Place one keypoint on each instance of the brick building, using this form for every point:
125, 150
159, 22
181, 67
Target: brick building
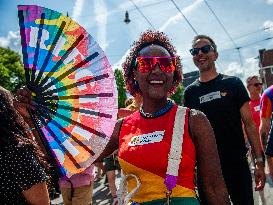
266, 66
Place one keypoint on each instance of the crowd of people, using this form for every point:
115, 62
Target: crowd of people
169, 154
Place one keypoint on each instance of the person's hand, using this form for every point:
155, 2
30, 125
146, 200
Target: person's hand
259, 176
22, 101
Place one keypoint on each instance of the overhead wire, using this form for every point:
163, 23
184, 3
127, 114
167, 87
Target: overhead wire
250, 44
143, 15
184, 17
259, 41
225, 30
253, 32
194, 30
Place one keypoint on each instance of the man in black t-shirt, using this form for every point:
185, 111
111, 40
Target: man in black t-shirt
224, 100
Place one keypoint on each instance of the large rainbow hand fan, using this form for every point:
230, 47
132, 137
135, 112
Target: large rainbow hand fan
73, 87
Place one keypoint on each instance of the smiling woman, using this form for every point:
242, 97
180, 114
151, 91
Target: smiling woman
160, 144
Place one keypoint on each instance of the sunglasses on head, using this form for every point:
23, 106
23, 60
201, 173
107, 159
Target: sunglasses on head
147, 63
257, 84
205, 49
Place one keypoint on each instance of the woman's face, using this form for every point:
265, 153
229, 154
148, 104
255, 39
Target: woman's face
154, 83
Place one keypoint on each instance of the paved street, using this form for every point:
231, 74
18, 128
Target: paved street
102, 195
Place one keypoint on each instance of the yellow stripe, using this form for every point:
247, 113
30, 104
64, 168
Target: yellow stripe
152, 185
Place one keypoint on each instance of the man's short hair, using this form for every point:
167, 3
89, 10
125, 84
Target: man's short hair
250, 78
205, 37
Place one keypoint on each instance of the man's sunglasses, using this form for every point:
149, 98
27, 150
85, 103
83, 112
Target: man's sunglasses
205, 49
147, 63
257, 84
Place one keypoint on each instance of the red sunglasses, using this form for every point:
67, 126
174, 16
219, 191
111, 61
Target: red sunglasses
147, 63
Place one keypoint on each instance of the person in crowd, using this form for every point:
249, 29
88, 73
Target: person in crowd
131, 105
23, 179
111, 165
100, 170
78, 189
225, 102
254, 87
266, 126
134, 104
164, 172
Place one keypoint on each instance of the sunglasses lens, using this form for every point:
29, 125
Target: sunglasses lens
167, 64
144, 64
257, 84
194, 51
205, 49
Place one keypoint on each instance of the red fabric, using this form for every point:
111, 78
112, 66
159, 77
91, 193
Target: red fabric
255, 110
266, 105
153, 157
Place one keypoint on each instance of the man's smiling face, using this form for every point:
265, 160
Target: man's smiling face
204, 61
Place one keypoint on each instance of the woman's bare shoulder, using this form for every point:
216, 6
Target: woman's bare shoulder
196, 115
199, 124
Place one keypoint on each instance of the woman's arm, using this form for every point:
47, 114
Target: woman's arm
37, 194
113, 143
208, 162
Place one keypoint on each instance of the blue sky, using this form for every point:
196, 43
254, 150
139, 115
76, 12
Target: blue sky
248, 22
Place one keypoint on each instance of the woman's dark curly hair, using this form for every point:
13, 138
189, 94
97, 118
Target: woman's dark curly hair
13, 129
147, 38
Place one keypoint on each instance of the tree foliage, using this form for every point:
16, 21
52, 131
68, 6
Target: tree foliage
178, 96
11, 69
121, 88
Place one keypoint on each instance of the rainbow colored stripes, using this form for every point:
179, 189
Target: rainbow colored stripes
73, 86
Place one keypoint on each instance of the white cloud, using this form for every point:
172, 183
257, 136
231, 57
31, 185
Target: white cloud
268, 24
269, 1
100, 8
12, 40
178, 16
249, 68
77, 9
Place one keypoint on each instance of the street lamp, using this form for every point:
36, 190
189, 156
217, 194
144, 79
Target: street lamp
127, 20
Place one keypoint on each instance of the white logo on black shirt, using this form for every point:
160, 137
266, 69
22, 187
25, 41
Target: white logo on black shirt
210, 96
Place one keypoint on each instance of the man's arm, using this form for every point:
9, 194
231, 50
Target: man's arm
264, 130
253, 138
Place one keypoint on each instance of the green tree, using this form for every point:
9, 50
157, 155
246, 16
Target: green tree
121, 88
178, 96
11, 69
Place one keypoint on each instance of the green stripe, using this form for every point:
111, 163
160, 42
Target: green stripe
174, 201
